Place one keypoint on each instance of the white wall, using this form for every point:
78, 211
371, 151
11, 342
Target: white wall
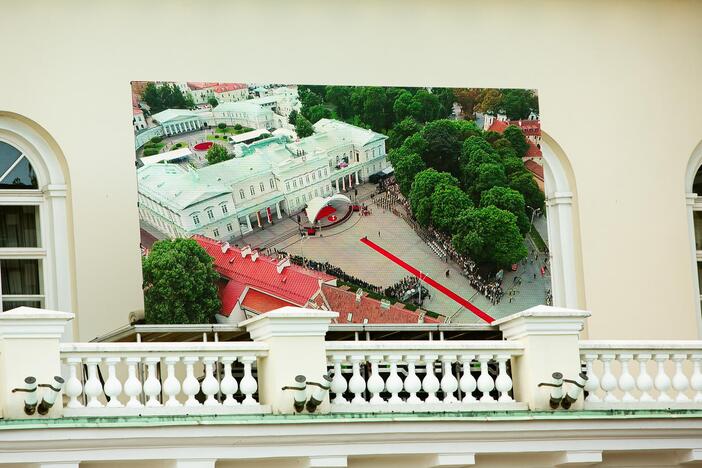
618, 85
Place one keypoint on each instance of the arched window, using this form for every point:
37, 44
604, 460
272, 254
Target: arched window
241, 194
253, 192
35, 258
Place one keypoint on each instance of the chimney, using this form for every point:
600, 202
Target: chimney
282, 265
254, 256
359, 295
225, 247
245, 251
384, 304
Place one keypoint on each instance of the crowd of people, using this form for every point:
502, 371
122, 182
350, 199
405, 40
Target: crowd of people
388, 193
328, 268
408, 284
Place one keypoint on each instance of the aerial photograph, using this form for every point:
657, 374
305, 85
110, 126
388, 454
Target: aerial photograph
385, 204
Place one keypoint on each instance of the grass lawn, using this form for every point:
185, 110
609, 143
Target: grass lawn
178, 146
157, 146
536, 237
217, 137
232, 130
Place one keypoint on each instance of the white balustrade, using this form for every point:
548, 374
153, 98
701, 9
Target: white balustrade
105, 379
642, 374
413, 376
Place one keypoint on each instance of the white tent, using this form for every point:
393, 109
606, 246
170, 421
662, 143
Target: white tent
167, 156
337, 201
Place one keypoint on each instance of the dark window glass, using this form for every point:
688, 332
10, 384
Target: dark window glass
20, 277
18, 226
9, 305
8, 156
22, 176
697, 216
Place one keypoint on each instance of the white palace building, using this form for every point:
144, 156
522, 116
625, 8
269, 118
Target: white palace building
267, 178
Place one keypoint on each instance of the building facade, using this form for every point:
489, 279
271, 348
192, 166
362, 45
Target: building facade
247, 114
271, 176
176, 121
138, 119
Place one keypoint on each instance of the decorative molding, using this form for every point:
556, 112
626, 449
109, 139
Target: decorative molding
27, 322
580, 458
542, 320
289, 321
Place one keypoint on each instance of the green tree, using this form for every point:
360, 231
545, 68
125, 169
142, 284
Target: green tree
525, 184
152, 98
518, 103
308, 98
292, 117
340, 97
422, 188
429, 105
303, 127
179, 283
467, 98
490, 236
405, 106
443, 146
374, 107
489, 175
510, 200
216, 154
213, 101
516, 138
406, 166
489, 100
315, 113
447, 202
402, 129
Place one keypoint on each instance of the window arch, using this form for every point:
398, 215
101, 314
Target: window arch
35, 260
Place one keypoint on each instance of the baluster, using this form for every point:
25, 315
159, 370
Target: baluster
394, 382
171, 386
132, 386
74, 387
190, 384
338, 383
696, 380
503, 382
375, 381
248, 384
662, 381
467, 382
485, 382
680, 383
592, 385
357, 384
93, 388
210, 386
113, 387
412, 383
152, 386
626, 380
228, 384
609, 381
644, 382
430, 384
449, 383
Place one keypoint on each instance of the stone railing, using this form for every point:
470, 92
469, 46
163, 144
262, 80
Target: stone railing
103, 379
642, 374
262, 375
408, 376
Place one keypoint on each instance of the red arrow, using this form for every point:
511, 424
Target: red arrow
428, 280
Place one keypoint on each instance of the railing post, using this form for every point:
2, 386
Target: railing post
29, 346
551, 344
295, 338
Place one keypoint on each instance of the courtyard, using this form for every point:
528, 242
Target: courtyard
340, 246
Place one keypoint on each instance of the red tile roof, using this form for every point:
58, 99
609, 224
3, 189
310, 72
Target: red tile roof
224, 87
535, 168
294, 284
136, 110
201, 85
533, 151
262, 302
344, 302
528, 127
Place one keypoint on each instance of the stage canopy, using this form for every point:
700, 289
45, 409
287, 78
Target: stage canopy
320, 207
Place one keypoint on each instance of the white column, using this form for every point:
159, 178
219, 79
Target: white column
248, 222
343, 182
563, 255
277, 209
30, 346
356, 174
296, 346
337, 185
543, 329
